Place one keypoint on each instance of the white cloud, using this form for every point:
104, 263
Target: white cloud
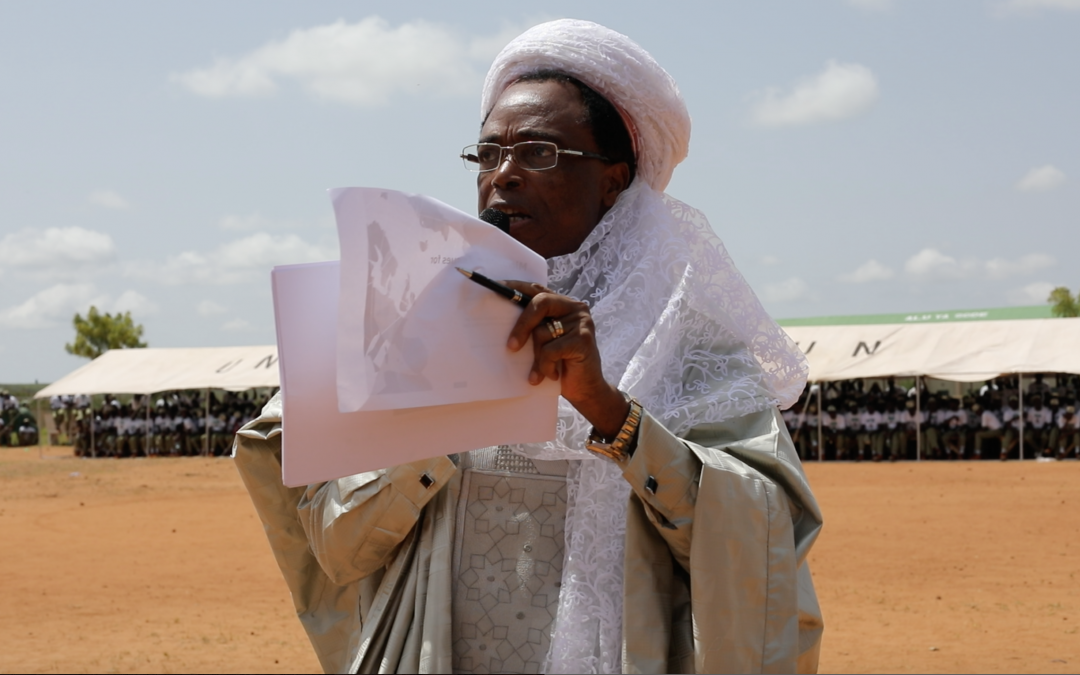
786, 291
1032, 294
871, 5
134, 302
109, 200
50, 307
57, 252
210, 308
56, 305
363, 63
237, 261
1029, 6
235, 325
770, 260
1000, 268
1041, 179
932, 264
841, 91
871, 270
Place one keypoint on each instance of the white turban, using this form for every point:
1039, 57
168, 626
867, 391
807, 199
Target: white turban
677, 325
617, 68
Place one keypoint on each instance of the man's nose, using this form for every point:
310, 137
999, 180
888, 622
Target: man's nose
508, 175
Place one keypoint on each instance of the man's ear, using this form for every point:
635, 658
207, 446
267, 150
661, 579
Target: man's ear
616, 179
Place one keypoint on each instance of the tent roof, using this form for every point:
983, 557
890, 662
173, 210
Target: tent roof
146, 371
959, 351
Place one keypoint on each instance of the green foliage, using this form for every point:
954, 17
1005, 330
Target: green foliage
98, 333
1064, 304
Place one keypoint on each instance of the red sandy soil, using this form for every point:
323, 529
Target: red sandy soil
161, 565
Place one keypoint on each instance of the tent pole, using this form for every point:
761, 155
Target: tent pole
206, 426
93, 441
1020, 412
146, 401
918, 419
40, 450
820, 437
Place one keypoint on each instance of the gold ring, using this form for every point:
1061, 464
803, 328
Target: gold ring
556, 328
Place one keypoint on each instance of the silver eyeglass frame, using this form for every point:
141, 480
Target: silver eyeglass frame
474, 167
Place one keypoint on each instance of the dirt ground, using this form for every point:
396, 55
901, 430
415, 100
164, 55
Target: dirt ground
160, 565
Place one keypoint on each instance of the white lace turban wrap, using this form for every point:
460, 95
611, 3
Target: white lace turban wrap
677, 325
617, 68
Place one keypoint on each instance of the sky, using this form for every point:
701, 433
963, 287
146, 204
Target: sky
856, 156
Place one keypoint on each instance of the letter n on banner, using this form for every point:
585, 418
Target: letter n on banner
863, 347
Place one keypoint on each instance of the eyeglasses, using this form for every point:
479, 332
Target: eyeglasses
529, 155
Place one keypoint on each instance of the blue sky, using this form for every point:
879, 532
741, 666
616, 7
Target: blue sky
856, 157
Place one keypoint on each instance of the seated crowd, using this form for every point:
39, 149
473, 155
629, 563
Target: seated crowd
18, 427
167, 425
872, 420
885, 421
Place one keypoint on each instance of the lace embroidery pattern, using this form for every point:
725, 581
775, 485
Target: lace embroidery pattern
679, 328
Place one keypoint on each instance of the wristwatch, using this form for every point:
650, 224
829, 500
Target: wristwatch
622, 448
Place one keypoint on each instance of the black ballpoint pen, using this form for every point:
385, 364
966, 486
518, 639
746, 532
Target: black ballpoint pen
505, 291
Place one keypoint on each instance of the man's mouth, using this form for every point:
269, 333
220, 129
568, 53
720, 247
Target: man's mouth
516, 216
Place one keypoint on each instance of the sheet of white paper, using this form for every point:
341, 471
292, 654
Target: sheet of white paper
319, 443
411, 330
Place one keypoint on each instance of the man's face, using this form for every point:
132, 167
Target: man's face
553, 211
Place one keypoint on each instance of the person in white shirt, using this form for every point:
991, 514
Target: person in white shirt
190, 444
105, 431
137, 433
1068, 433
1038, 420
870, 422
893, 390
1010, 417
1038, 387
990, 426
162, 430
219, 437
974, 422
832, 427
914, 423
1056, 409
121, 421
852, 426
176, 431
954, 424
894, 421
791, 418
936, 416
807, 442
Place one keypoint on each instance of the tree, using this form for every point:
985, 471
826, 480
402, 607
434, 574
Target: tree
1064, 304
98, 333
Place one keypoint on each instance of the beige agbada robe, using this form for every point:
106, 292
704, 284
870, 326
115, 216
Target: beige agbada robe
715, 568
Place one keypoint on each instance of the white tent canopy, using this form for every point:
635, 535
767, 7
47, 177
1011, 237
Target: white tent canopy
967, 351
146, 371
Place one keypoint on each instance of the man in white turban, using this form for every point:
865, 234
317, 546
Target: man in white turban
666, 528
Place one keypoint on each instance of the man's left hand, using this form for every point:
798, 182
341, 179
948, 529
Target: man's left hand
572, 359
